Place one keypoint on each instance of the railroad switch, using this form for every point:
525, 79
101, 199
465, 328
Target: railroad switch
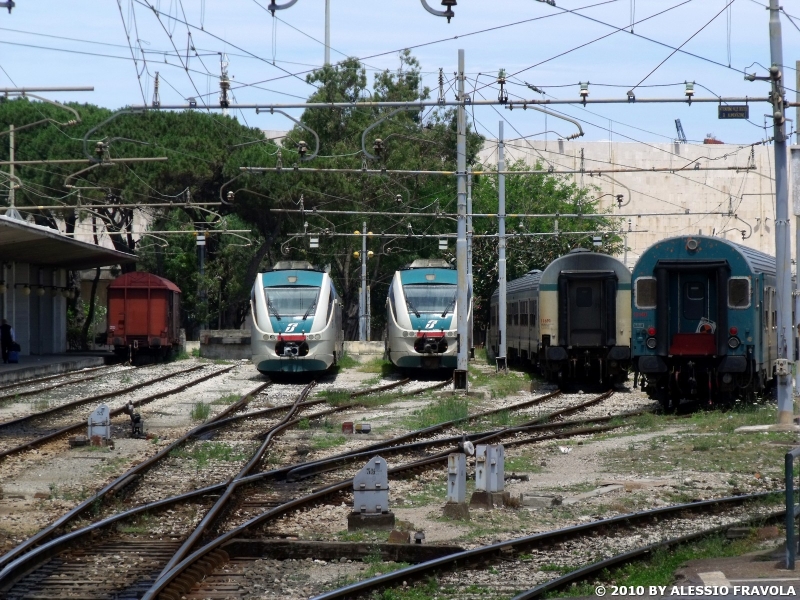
455, 507
489, 476
137, 423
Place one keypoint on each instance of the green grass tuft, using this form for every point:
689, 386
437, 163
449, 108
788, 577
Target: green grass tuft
377, 365
346, 361
200, 411
228, 399
327, 440
446, 409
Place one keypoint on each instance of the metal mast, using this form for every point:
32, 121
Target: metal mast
501, 251
795, 158
327, 32
460, 374
362, 290
224, 84
470, 282
783, 253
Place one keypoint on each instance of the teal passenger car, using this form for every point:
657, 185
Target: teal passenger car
703, 320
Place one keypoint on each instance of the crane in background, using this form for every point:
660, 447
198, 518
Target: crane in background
681, 134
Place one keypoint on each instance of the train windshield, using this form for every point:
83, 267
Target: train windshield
429, 298
291, 301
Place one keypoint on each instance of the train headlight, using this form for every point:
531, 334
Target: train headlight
734, 342
651, 343
317, 337
452, 334
273, 337
405, 334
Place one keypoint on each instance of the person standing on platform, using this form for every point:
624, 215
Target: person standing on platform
6, 339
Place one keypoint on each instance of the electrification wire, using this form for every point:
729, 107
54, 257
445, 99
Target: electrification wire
654, 41
135, 63
602, 37
207, 32
690, 38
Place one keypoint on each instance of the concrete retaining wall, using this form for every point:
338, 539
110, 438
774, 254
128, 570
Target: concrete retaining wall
226, 344
364, 351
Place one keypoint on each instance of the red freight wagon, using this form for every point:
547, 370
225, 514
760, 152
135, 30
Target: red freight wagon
143, 313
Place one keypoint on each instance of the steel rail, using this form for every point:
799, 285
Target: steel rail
219, 506
485, 553
121, 481
631, 555
391, 446
172, 584
35, 380
54, 386
25, 563
75, 426
382, 388
81, 401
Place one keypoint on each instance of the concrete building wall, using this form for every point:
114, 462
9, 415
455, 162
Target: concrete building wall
744, 200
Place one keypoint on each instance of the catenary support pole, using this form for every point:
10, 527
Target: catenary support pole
327, 32
783, 255
11, 186
795, 170
502, 305
362, 290
470, 281
463, 307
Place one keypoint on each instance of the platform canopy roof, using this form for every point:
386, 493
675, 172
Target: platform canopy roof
21, 241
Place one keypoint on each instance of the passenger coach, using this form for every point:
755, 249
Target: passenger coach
704, 320
572, 319
297, 319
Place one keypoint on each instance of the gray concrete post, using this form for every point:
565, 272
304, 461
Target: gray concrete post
783, 253
463, 303
501, 252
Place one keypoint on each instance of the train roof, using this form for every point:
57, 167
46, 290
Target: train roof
290, 277
294, 265
528, 281
429, 263
141, 280
581, 259
430, 276
757, 261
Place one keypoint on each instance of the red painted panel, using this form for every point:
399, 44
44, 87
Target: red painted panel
431, 334
292, 338
694, 344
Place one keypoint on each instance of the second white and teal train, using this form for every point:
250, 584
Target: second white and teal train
421, 316
297, 320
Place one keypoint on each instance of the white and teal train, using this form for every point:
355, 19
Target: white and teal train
421, 316
297, 320
572, 320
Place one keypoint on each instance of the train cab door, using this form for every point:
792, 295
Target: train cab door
694, 319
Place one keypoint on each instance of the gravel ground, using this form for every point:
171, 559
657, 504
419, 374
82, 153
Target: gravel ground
40, 485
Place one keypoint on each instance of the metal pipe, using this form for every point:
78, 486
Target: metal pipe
95, 206
783, 253
590, 172
470, 282
794, 154
327, 32
501, 250
25, 90
460, 376
362, 290
76, 161
511, 105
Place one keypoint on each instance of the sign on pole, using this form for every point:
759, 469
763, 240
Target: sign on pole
734, 111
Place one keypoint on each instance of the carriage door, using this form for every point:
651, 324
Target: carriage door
584, 312
696, 304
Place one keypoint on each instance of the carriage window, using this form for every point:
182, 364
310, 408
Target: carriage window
583, 297
509, 314
493, 317
695, 291
739, 292
523, 313
533, 312
646, 292
515, 306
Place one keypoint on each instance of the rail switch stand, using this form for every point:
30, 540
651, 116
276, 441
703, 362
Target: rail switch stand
100, 426
456, 507
137, 423
489, 476
371, 498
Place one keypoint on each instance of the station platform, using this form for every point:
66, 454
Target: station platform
52, 364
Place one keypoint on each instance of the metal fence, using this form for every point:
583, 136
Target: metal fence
792, 510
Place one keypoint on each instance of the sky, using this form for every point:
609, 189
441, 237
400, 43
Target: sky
536, 43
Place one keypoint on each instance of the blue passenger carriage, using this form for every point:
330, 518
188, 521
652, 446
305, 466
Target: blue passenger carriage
704, 320
297, 319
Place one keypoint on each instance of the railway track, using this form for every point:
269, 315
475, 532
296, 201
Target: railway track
68, 379
577, 543
58, 430
289, 496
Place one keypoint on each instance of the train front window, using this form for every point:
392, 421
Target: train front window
425, 298
291, 301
